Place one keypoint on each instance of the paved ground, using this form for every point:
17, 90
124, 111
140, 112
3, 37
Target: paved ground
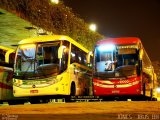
117, 110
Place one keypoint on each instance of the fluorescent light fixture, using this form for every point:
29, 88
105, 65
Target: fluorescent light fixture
55, 1
108, 47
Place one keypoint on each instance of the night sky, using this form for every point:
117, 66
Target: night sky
124, 18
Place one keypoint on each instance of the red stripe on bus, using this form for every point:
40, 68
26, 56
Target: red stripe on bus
2, 85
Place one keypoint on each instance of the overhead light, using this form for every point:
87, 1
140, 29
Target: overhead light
55, 1
93, 27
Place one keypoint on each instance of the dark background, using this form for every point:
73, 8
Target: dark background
123, 18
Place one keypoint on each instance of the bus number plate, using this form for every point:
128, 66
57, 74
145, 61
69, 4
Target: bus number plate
115, 91
33, 91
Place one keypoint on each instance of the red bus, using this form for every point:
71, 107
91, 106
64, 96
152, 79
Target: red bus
122, 69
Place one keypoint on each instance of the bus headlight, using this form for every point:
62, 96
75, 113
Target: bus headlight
17, 83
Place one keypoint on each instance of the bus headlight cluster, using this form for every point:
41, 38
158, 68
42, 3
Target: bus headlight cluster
17, 83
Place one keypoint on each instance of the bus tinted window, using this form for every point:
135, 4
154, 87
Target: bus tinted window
11, 59
2, 55
77, 55
73, 54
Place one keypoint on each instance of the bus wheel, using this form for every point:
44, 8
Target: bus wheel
72, 93
144, 89
151, 94
73, 89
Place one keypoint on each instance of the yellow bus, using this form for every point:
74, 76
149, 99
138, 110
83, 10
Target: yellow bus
6, 73
6, 55
50, 66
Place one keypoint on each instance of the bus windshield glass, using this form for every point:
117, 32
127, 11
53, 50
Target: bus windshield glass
37, 60
121, 61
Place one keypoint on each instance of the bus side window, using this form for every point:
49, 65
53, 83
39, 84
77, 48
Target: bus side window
83, 58
2, 55
73, 54
11, 59
78, 56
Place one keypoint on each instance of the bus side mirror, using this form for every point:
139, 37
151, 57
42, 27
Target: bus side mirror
60, 52
89, 57
140, 54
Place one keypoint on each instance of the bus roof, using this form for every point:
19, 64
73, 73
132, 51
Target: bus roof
49, 38
8, 51
6, 48
119, 41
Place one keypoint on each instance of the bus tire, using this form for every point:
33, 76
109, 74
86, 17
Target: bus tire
73, 89
144, 89
72, 93
151, 94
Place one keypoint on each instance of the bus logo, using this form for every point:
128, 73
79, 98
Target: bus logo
33, 86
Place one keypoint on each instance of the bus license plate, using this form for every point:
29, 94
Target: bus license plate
115, 91
33, 91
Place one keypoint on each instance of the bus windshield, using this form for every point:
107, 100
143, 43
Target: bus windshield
119, 62
37, 60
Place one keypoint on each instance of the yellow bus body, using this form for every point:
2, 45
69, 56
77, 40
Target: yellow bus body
6, 74
56, 85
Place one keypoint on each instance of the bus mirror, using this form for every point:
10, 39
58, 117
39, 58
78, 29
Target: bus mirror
89, 57
141, 54
60, 50
155, 77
